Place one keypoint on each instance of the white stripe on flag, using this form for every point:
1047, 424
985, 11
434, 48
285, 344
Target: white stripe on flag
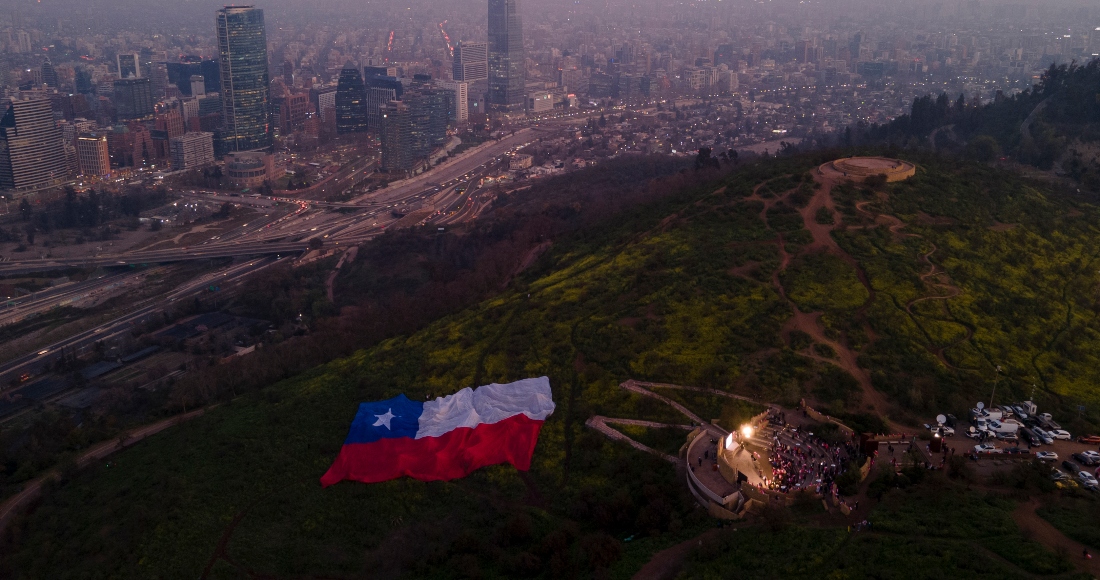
487, 404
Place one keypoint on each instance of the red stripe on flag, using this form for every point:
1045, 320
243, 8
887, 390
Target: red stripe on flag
452, 455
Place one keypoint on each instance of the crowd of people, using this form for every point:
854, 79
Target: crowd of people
800, 460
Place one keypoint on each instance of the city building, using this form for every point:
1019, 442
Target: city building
540, 102
93, 157
351, 106
396, 136
242, 53
293, 110
507, 64
198, 86
49, 75
32, 152
460, 110
381, 90
192, 150
133, 98
249, 169
128, 65
471, 62
520, 161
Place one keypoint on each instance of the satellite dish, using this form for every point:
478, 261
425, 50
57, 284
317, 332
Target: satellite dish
941, 419
981, 405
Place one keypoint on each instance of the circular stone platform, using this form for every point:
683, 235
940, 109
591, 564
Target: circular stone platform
860, 168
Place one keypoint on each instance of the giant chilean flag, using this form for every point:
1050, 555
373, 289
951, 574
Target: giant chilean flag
446, 438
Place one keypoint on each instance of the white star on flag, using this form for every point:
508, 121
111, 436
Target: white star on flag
385, 419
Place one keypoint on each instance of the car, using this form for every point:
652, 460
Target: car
1087, 479
1087, 458
1043, 435
1046, 456
987, 448
1008, 437
1060, 434
1058, 475
1090, 439
1017, 451
1066, 484
1070, 466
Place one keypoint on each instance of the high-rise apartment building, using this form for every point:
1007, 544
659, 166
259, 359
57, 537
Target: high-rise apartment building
242, 53
133, 98
380, 90
128, 65
49, 75
93, 156
198, 86
351, 101
507, 64
32, 153
192, 150
471, 62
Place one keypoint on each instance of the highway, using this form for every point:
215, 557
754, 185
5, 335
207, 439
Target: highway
33, 363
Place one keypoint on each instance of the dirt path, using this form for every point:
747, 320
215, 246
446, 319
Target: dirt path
934, 277
33, 488
810, 322
666, 564
1046, 534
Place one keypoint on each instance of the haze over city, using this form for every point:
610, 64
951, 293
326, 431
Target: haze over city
560, 289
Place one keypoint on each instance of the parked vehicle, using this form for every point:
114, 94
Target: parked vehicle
1070, 466
1086, 479
1030, 437
987, 448
1090, 439
1087, 458
1043, 435
1058, 475
1046, 456
1061, 434
1008, 437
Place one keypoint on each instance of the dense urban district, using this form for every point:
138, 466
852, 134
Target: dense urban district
815, 287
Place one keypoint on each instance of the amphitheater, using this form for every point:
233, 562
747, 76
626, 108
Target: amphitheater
860, 168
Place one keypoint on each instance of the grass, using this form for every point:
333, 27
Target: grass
648, 295
1076, 517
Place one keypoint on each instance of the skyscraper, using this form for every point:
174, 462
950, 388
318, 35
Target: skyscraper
351, 101
507, 66
397, 140
91, 151
471, 62
32, 152
242, 52
128, 65
133, 98
49, 75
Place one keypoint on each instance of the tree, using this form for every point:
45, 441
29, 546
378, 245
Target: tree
30, 231
984, 149
315, 243
25, 209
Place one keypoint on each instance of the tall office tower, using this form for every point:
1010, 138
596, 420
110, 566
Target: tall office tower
380, 90
133, 98
32, 153
198, 86
242, 51
351, 101
92, 155
49, 75
128, 65
471, 62
430, 113
460, 109
288, 73
507, 66
855, 44
396, 133
82, 79
724, 55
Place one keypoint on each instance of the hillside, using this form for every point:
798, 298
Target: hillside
878, 304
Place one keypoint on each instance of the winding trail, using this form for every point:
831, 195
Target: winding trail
1046, 534
931, 278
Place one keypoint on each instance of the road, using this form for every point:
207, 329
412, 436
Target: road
34, 362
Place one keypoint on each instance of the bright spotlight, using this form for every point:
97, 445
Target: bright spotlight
746, 431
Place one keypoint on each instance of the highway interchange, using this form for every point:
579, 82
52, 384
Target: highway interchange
446, 194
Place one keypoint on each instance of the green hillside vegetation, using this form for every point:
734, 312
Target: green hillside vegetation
677, 290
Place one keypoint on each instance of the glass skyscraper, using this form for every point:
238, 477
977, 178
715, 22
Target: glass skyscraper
242, 55
351, 101
507, 67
